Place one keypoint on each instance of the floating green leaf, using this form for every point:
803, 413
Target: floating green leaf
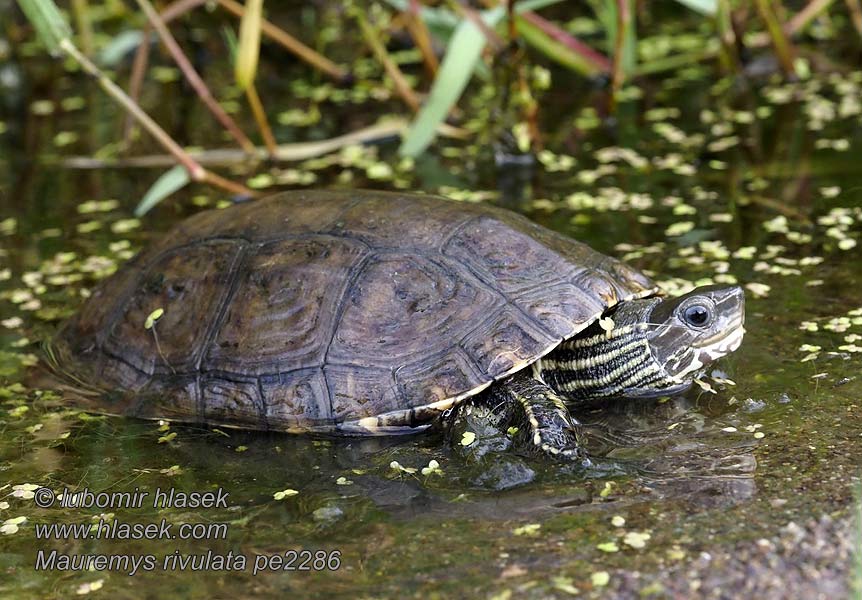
170, 181
468, 438
153, 317
285, 494
167, 438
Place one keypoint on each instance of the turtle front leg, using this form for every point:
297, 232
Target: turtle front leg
519, 411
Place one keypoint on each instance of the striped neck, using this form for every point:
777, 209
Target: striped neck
614, 361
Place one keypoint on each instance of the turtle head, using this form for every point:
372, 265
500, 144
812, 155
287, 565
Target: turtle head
690, 331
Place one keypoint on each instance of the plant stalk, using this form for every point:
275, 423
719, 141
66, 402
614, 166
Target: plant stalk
195, 170
783, 48
85, 28
421, 37
401, 86
293, 45
193, 78
260, 117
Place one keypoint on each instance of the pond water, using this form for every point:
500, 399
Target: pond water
697, 179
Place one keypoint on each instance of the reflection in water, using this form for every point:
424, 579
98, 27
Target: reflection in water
675, 448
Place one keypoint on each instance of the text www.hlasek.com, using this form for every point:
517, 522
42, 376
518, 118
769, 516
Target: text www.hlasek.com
117, 530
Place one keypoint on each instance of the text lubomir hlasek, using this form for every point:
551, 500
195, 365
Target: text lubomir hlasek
168, 498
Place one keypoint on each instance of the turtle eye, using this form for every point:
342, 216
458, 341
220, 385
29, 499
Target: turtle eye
696, 315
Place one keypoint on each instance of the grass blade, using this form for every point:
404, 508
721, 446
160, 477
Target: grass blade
625, 45
249, 44
462, 54
783, 48
704, 7
561, 47
50, 25
120, 46
170, 181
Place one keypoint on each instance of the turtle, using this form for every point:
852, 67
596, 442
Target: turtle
367, 312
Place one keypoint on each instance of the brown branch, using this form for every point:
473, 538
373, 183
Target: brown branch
293, 45
178, 9
136, 80
232, 157
783, 49
494, 40
801, 19
142, 55
401, 86
178, 154
855, 14
113, 90
421, 37
260, 118
618, 76
226, 184
193, 78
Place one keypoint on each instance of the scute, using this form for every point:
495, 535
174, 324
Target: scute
360, 312
403, 308
296, 400
357, 391
189, 286
513, 260
433, 380
292, 285
506, 340
232, 402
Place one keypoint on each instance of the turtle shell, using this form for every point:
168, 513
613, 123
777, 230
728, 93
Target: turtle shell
343, 311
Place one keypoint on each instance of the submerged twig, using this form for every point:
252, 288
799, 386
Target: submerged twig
230, 157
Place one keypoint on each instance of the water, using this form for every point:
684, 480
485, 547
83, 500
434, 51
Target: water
695, 182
